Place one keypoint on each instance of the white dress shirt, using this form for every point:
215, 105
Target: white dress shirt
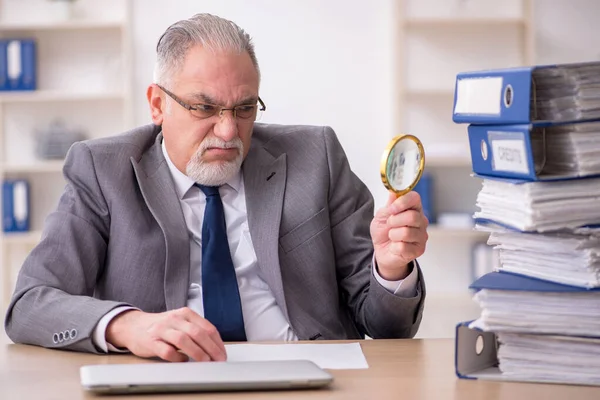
263, 318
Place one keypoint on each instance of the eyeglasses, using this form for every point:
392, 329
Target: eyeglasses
202, 111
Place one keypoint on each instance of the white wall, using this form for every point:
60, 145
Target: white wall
567, 31
322, 63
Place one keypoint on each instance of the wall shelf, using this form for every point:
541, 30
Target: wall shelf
448, 161
84, 79
21, 238
77, 25
443, 22
449, 93
42, 96
447, 231
35, 167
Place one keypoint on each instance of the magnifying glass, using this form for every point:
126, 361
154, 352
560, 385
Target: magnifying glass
402, 164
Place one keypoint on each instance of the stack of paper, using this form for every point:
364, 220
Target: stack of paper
568, 92
534, 137
567, 150
568, 258
540, 206
550, 358
559, 313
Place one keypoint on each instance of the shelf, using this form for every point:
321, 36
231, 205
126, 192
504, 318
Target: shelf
60, 26
454, 22
23, 238
449, 93
41, 96
445, 231
35, 167
449, 161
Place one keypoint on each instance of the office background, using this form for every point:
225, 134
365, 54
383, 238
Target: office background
370, 69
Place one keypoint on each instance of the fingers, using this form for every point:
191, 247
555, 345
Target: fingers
408, 218
182, 341
168, 352
204, 334
409, 201
384, 212
408, 235
205, 338
408, 251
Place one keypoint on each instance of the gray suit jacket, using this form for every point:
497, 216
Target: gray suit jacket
118, 237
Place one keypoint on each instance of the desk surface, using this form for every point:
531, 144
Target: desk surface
398, 369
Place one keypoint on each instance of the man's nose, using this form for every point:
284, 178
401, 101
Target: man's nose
226, 128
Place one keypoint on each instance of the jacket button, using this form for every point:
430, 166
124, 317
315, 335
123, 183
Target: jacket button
61, 337
73, 333
67, 334
55, 338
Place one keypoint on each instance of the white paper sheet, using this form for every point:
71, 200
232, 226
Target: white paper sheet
328, 356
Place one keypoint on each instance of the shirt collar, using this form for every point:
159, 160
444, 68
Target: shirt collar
183, 183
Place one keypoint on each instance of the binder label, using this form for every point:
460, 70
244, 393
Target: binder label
508, 152
481, 96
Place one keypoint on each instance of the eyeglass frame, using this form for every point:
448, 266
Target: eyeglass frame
190, 107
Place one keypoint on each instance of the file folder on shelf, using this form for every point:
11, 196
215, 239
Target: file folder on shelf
15, 205
18, 64
425, 189
533, 153
536, 94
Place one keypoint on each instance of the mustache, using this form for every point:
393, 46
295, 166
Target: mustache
212, 141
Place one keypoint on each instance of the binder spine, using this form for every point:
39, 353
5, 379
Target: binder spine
3, 65
21, 64
29, 64
15, 206
493, 97
502, 151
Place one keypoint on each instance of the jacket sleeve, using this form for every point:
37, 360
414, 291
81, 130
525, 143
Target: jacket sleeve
53, 305
377, 312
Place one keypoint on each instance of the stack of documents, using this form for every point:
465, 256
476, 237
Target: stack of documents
543, 358
558, 313
568, 258
534, 137
566, 92
569, 150
547, 332
540, 206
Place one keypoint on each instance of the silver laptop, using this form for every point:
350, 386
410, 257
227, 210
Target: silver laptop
203, 376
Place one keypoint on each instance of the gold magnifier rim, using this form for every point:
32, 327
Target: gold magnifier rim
386, 155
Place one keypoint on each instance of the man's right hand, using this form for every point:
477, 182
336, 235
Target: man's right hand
172, 335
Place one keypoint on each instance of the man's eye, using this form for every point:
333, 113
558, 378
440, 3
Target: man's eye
206, 108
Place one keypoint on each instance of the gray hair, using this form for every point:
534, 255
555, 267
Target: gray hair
210, 31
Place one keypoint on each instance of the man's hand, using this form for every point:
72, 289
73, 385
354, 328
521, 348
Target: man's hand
172, 335
399, 233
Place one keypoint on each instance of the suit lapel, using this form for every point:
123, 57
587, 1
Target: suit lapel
158, 190
264, 183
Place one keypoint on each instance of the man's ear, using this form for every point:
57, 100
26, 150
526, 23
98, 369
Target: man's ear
156, 101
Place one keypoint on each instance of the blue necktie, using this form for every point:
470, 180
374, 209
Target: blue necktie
220, 292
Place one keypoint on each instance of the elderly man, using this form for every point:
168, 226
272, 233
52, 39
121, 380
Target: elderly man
205, 227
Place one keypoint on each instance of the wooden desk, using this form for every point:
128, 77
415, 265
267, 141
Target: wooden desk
399, 369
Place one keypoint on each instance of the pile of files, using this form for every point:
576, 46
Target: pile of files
534, 137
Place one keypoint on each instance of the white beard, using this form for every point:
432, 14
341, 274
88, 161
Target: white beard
215, 173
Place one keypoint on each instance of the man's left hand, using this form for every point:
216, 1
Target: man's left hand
399, 234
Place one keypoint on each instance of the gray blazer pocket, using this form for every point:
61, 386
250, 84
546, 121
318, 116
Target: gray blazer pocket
305, 231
